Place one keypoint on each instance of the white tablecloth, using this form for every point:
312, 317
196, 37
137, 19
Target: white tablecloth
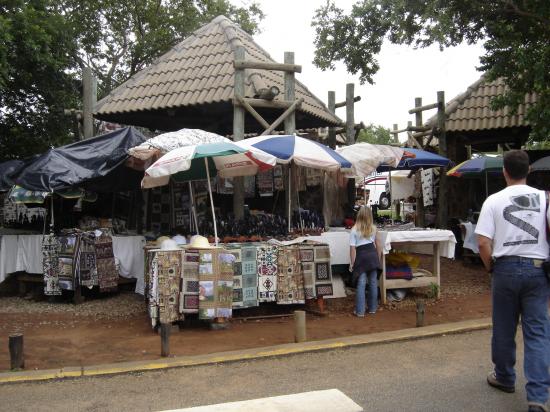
419, 241
24, 253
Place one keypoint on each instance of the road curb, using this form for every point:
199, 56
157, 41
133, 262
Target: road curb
247, 354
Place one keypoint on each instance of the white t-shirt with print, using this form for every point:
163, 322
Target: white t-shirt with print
515, 219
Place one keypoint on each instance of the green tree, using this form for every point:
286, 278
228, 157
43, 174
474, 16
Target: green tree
118, 39
516, 37
375, 135
45, 43
35, 77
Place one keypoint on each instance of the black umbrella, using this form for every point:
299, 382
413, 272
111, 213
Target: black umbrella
7, 171
540, 165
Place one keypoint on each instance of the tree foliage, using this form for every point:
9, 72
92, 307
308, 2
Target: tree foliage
375, 135
45, 43
516, 37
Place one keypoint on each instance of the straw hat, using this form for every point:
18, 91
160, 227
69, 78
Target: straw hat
169, 244
200, 242
161, 239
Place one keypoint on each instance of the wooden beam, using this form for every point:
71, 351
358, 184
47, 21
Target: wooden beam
420, 215
89, 92
274, 104
331, 130
422, 108
238, 134
282, 117
350, 120
442, 209
342, 104
288, 68
253, 112
290, 94
423, 134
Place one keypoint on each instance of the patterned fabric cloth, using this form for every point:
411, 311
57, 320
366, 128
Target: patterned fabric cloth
264, 180
267, 272
170, 264
237, 278
323, 271
278, 178
189, 297
308, 270
67, 251
151, 286
105, 263
313, 177
249, 272
290, 280
85, 268
50, 254
215, 284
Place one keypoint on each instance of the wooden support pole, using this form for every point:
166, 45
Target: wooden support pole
253, 112
469, 152
238, 133
300, 326
286, 67
283, 117
266, 104
422, 108
331, 130
342, 104
420, 221
350, 120
89, 92
165, 329
290, 94
395, 133
17, 357
442, 209
420, 310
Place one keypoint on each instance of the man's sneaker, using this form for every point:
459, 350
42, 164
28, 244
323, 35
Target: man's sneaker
492, 380
537, 407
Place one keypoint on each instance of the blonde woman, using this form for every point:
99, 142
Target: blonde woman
364, 261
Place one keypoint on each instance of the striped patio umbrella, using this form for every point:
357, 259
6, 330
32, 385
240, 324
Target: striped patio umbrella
477, 166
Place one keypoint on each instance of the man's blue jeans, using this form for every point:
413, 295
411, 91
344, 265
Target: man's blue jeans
521, 289
372, 301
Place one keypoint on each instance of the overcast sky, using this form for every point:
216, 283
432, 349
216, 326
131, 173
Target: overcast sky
404, 73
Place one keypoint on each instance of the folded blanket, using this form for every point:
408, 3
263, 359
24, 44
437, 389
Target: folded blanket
399, 272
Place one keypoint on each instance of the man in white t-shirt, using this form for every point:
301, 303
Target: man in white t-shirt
512, 239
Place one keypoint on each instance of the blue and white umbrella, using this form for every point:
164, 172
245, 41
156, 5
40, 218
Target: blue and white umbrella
301, 151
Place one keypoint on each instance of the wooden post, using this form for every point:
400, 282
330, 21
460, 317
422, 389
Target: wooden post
290, 128
299, 326
331, 130
442, 207
420, 310
238, 133
350, 118
89, 91
395, 134
420, 221
289, 80
165, 329
17, 358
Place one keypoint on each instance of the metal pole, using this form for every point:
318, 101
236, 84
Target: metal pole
193, 207
211, 201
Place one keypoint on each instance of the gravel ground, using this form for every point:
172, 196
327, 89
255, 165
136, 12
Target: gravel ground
119, 306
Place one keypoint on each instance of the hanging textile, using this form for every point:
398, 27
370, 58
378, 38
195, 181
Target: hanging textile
237, 278
84, 267
265, 183
313, 177
308, 270
290, 280
278, 178
323, 271
189, 298
215, 284
151, 283
249, 273
249, 186
50, 254
428, 194
169, 274
67, 252
267, 272
105, 263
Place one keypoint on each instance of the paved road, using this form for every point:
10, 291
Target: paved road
436, 374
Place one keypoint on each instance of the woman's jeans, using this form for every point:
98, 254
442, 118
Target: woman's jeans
372, 300
519, 288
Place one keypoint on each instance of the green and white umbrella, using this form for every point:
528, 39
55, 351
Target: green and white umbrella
199, 162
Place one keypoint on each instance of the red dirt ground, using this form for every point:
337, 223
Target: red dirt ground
69, 340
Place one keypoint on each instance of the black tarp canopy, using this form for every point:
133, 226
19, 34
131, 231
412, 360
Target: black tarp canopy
8, 170
95, 164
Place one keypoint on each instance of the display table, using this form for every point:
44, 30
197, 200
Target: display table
23, 253
435, 241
